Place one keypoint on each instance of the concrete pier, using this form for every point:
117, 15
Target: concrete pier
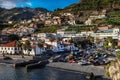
17, 57
96, 70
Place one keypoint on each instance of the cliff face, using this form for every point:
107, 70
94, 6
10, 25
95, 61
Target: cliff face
113, 70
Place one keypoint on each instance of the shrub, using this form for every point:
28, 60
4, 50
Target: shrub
118, 54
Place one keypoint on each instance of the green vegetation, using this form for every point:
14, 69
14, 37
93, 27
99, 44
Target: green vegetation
88, 5
118, 54
109, 43
13, 37
91, 5
18, 44
27, 46
83, 43
2, 26
48, 29
114, 18
40, 43
80, 28
107, 72
100, 21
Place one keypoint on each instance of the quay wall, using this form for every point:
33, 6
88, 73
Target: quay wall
96, 70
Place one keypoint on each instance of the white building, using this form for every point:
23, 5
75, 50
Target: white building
61, 46
88, 22
114, 33
87, 33
66, 33
41, 35
9, 48
35, 50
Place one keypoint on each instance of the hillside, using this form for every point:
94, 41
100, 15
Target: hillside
84, 5
83, 9
17, 14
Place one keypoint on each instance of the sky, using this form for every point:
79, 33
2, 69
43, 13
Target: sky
48, 4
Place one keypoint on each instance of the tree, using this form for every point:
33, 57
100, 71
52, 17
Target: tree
27, 46
109, 39
118, 54
109, 42
40, 45
13, 37
19, 45
105, 43
91, 39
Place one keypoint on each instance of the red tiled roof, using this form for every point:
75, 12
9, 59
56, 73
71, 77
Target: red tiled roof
47, 45
10, 44
33, 46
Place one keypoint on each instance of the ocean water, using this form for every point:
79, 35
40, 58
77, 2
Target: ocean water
8, 72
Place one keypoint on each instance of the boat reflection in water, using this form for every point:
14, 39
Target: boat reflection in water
9, 73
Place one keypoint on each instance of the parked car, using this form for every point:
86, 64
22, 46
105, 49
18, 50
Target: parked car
84, 62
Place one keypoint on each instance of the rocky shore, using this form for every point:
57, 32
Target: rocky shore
113, 70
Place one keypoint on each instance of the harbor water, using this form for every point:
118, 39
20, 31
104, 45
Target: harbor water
8, 72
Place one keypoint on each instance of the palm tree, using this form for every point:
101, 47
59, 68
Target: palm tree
105, 43
24, 47
27, 46
19, 45
40, 44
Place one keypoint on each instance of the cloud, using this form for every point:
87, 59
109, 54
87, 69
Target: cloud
8, 4
29, 3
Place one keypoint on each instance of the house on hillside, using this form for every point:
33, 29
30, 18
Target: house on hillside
56, 20
88, 22
48, 22
41, 36
103, 27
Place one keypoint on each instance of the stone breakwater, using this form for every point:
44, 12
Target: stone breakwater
113, 70
96, 70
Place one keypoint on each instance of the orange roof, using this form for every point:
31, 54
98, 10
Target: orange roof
10, 44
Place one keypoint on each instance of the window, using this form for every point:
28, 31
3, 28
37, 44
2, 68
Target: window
8, 48
15, 48
11, 48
